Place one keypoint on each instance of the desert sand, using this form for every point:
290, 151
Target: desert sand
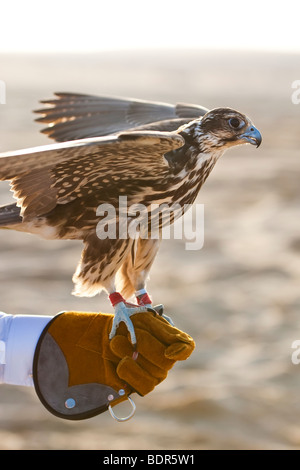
238, 296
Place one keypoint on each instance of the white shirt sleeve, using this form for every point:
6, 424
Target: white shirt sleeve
19, 335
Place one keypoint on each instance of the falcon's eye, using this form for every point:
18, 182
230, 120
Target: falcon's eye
236, 123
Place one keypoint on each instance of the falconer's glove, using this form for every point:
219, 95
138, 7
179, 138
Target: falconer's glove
78, 372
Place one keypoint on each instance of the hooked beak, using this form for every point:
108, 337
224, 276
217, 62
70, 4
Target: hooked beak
252, 135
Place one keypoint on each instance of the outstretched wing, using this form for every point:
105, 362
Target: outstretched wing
45, 176
75, 116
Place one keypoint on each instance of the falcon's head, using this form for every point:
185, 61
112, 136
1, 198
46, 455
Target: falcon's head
225, 127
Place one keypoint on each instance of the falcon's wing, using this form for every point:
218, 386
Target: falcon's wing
74, 116
43, 177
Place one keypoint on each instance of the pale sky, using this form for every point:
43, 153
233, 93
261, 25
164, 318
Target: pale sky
96, 25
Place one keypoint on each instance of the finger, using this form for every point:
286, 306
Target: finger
121, 347
161, 329
136, 377
179, 351
152, 369
152, 349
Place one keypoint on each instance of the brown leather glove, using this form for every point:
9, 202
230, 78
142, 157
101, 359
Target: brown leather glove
79, 373
159, 346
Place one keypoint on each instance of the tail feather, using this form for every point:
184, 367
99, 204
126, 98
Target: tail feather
9, 215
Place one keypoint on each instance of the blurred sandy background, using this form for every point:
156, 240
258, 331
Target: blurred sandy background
238, 296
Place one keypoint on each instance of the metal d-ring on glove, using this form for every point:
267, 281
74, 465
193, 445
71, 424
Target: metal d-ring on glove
113, 415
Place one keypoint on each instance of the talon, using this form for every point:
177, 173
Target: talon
169, 319
123, 312
151, 309
159, 309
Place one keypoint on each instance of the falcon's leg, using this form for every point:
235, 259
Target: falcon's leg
135, 271
100, 260
123, 312
143, 298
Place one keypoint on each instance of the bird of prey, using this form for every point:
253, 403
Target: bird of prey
107, 147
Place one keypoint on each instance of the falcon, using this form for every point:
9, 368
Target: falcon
107, 147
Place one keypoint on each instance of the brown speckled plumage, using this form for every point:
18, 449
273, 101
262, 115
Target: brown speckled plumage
59, 187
